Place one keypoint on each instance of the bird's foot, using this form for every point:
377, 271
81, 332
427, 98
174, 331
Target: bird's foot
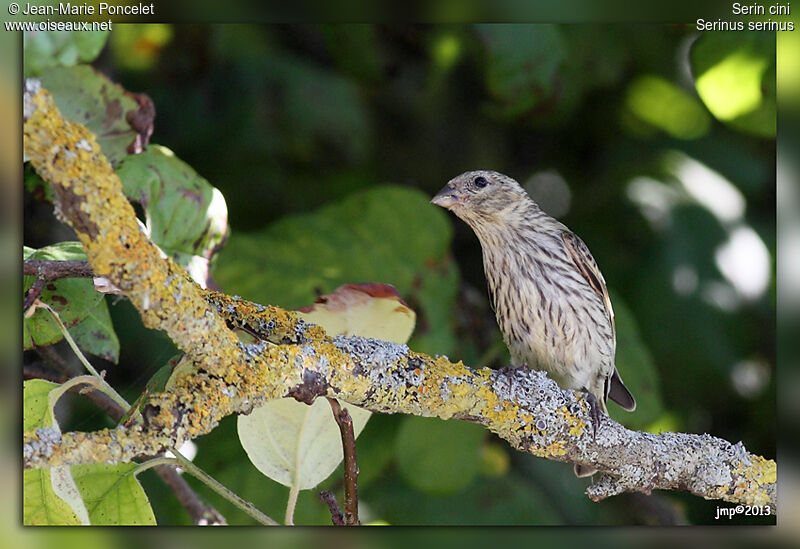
595, 411
510, 369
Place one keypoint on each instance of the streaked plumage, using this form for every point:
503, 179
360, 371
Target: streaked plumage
547, 291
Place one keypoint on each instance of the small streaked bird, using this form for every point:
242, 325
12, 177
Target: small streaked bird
549, 296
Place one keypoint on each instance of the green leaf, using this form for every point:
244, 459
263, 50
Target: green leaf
522, 64
110, 493
37, 186
735, 77
186, 216
87, 97
113, 495
365, 237
43, 50
47, 493
40, 505
72, 298
436, 456
96, 335
637, 370
294, 443
36, 412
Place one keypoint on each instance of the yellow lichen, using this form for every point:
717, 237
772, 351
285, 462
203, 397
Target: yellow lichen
556, 448
577, 425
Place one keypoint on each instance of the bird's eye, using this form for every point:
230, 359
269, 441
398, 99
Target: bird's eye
480, 182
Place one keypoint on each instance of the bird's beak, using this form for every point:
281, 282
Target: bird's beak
447, 198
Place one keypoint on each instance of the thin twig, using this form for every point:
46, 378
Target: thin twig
33, 293
52, 269
51, 355
201, 513
329, 499
345, 422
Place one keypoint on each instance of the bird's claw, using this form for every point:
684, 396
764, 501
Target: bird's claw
594, 411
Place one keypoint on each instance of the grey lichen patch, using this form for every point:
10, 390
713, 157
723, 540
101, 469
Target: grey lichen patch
46, 439
31, 87
367, 351
253, 350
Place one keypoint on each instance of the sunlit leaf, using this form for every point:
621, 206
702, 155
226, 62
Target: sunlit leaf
44, 50
436, 456
735, 77
36, 411
367, 310
137, 47
186, 217
666, 106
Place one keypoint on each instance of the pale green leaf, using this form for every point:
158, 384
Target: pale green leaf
300, 445
296, 444
36, 411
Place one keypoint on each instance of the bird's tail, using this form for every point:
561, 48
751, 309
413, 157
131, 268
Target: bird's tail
620, 394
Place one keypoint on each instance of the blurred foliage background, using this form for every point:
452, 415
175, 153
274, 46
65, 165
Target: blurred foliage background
654, 143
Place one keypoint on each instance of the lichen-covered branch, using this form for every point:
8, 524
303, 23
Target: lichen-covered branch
295, 359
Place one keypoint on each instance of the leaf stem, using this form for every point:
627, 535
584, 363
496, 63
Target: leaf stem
220, 489
102, 382
294, 491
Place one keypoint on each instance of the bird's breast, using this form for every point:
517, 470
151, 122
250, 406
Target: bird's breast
550, 318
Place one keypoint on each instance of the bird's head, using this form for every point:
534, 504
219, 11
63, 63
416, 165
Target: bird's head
482, 197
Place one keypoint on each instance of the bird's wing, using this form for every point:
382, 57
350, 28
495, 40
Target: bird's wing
587, 266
